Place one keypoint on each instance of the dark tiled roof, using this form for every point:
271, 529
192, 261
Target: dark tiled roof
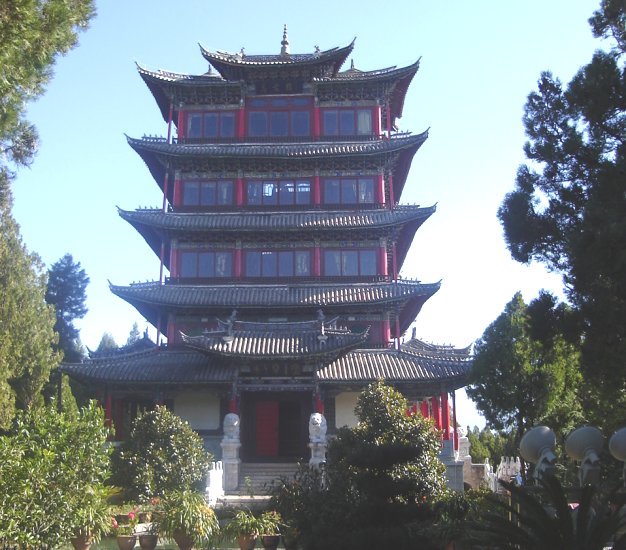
274, 295
194, 368
241, 222
397, 152
396, 366
235, 66
416, 346
301, 149
152, 367
263, 345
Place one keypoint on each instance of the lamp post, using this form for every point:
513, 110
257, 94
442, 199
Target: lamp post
537, 446
583, 444
617, 447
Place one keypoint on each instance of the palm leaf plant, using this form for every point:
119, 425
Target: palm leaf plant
544, 520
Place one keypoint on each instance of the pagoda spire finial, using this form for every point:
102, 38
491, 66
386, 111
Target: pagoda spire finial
284, 50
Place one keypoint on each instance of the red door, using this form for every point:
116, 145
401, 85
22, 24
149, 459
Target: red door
266, 414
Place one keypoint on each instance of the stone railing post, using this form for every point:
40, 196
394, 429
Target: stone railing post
230, 452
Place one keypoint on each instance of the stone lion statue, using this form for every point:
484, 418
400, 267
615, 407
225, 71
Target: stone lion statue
317, 428
231, 426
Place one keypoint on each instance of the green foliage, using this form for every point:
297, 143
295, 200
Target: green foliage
26, 324
67, 283
133, 336
488, 444
32, 34
568, 208
379, 482
107, 344
186, 511
161, 454
51, 476
542, 520
518, 381
246, 523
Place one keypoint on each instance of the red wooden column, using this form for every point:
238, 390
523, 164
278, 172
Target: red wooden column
436, 411
241, 122
108, 409
386, 331
445, 416
239, 192
380, 189
317, 191
424, 408
382, 259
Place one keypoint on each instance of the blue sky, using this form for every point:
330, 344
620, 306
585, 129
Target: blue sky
479, 61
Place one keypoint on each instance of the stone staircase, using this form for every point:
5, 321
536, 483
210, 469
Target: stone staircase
252, 494
256, 478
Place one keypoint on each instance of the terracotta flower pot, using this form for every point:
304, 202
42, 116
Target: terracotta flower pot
247, 542
148, 541
81, 542
270, 542
183, 540
126, 542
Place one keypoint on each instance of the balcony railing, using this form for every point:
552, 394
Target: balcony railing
217, 281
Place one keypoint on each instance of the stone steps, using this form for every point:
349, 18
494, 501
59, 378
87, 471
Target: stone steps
256, 478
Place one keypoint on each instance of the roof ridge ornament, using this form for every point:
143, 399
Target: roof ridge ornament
284, 50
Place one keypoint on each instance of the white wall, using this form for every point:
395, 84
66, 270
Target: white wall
200, 409
344, 409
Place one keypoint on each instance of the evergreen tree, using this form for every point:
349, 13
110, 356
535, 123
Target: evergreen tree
568, 209
67, 282
32, 34
133, 336
27, 337
107, 344
518, 381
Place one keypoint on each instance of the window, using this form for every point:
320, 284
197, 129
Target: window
279, 117
349, 263
274, 192
207, 193
348, 190
206, 264
347, 122
281, 263
210, 124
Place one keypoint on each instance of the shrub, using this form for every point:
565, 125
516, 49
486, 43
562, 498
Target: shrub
381, 478
161, 454
52, 470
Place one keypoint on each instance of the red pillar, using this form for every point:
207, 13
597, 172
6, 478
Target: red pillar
445, 416
237, 262
436, 411
239, 194
317, 260
317, 192
380, 189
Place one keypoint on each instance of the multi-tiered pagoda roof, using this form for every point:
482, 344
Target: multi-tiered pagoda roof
342, 241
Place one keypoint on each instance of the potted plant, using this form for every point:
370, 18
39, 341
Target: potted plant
148, 536
91, 518
247, 527
124, 530
270, 533
186, 517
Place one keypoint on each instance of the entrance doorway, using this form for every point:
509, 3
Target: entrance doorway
274, 426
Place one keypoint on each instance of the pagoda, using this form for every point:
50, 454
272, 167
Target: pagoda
280, 239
